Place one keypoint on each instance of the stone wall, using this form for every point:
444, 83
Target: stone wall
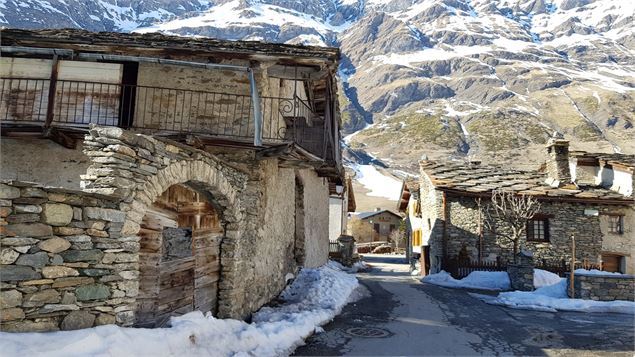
603, 287
70, 258
316, 218
64, 262
432, 211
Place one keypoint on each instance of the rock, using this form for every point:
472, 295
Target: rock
10, 298
5, 203
30, 326
77, 320
23, 249
29, 230
18, 273
125, 318
33, 192
47, 309
104, 319
5, 211
11, 314
67, 231
8, 256
77, 213
129, 275
57, 260
92, 292
37, 282
120, 258
69, 298
71, 281
18, 241
52, 272
104, 214
27, 209
23, 218
57, 214
93, 255
48, 296
95, 272
97, 233
8, 192
54, 245
37, 260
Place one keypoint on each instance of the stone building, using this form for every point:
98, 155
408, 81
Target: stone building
145, 176
374, 226
341, 203
410, 206
584, 200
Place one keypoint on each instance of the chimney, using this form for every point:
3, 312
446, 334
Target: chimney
377, 209
558, 171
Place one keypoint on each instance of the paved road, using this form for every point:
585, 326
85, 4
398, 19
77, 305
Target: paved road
422, 319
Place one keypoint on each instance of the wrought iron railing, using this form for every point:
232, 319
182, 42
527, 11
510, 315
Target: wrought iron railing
76, 104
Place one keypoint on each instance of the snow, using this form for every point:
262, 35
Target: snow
314, 298
378, 184
596, 272
554, 298
545, 278
484, 280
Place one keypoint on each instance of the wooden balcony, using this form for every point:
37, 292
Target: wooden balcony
65, 109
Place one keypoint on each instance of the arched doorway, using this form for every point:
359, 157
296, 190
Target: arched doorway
179, 257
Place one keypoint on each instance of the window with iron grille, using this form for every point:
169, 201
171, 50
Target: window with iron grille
616, 224
538, 230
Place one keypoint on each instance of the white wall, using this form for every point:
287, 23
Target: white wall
335, 217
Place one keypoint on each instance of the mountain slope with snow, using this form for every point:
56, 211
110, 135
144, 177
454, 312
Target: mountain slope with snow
479, 79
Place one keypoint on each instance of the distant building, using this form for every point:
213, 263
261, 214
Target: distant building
374, 226
587, 195
410, 205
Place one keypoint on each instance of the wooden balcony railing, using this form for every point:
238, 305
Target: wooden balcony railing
162, 111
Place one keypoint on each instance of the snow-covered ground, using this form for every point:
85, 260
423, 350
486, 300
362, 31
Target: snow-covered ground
313, 299
485, 280
378, 184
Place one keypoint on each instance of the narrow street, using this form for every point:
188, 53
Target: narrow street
401, 316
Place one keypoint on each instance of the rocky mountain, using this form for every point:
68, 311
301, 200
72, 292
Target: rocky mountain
480, 79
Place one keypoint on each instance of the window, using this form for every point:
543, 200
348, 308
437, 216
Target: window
538, 229
376, 227
392, 227
616, 224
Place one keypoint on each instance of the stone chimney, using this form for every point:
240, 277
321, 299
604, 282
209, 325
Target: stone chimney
558, 171
377, 209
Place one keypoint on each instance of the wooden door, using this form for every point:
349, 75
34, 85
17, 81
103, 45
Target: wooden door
611, 262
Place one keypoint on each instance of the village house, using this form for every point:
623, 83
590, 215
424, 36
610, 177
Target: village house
410, 206
145, 176
589, 196
374, 226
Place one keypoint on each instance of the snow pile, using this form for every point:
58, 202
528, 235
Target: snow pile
485, 280
545, 278
314, 298
554, 297
595, 272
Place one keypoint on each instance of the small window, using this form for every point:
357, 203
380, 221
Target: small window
429, 224
616, 224
416, 238
538, 230
376, 227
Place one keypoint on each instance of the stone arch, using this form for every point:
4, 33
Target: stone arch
205, 176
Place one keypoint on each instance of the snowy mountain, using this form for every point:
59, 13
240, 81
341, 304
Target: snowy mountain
480, 79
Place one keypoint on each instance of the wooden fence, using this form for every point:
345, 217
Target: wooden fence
460, 268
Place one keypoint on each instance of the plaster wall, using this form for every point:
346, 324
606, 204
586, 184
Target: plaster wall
41, 161
316, 218
335, 217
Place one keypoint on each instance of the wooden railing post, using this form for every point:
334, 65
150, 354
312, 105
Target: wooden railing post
50, 105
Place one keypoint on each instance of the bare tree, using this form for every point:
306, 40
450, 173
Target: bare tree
506, 215
398, 236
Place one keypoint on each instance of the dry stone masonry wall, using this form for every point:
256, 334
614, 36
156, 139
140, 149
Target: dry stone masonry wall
603, 287
64, 262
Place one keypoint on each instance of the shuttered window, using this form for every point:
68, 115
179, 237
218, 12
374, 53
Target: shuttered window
416, 238
616, 224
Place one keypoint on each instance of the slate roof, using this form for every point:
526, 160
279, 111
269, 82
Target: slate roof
480, 179
364, 215
620, 159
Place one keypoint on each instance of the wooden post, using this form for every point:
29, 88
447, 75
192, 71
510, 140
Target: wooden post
50, 105
571, 276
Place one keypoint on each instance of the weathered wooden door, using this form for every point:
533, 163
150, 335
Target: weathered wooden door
179, 257
611, 262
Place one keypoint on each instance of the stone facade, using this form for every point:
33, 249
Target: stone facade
70, 258
603, 287
462, 229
